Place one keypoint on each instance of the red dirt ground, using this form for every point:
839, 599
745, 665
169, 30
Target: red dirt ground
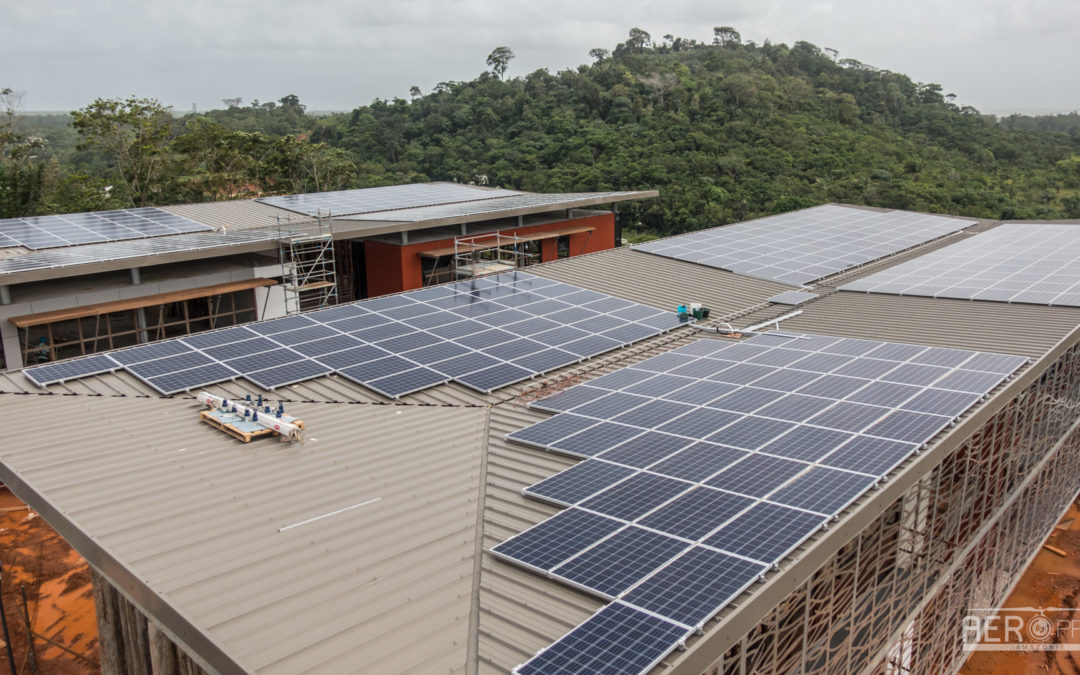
61, 599
1050, 581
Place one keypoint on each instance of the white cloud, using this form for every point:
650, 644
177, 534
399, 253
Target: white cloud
337, 54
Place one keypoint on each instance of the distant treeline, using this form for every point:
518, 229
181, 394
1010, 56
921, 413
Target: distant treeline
725, 129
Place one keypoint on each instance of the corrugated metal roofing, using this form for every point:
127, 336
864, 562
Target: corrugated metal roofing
661, 282
197, 518
409, 591
239, 214
1028, 330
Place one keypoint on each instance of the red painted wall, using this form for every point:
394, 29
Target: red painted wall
392, 267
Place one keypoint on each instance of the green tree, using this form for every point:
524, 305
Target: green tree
134, 136
499, 59
726, 36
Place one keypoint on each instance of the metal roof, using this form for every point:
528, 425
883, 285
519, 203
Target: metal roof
360, 596
247, 225
499, 207
381, 587
239, 214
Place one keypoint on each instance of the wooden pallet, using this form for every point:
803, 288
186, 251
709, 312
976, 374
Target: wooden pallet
231, 429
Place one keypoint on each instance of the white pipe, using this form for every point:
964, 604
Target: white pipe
264, 419
770, 322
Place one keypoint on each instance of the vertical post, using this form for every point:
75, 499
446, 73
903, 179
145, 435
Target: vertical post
464, 229
3, 623
140, 323
136, 276
404, 237
30, 653
5, 295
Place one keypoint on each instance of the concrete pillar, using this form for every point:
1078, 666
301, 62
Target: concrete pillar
5, 295
464, 229
404, 237
136, 276
140, 323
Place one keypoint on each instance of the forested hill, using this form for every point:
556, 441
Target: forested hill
726, 130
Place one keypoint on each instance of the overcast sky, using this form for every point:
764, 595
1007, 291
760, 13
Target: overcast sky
997, 55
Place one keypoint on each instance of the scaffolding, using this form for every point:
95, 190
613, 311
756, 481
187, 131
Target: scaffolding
306, 251
492, 253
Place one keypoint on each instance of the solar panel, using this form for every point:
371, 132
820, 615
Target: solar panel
620, 561
183, 380
695, 586
697, 513
635, 496
38, 232
1016, 263
579, 482
766, 532
740, 473
616, 640
803, 246
792, 298
72, 369
135, 248
387, 345
369, 200
557, 539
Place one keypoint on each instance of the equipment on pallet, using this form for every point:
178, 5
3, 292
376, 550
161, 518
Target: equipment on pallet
246, 421
695, 310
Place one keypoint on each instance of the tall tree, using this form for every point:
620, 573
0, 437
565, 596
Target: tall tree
499, 59
134, 136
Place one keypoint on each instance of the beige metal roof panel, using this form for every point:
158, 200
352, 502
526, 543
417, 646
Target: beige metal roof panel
661, 282
1028, 330
239, 214
190, 519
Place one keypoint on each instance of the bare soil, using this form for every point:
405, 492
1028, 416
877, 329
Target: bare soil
1051, 580
57, 583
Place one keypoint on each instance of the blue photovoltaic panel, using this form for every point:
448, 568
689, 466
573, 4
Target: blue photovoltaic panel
406, 382
68, 370
149, 352
557, 539
746, 468
695, 586
279, 376
183, 380
766, 532
697, 513
579, 482
402, 343
1015, 262
803, 246
616, 640
635, 496
620, 561
37, 232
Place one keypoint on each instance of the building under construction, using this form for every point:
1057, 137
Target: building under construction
368, 547
78, 284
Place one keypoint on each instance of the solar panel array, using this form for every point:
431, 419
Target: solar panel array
489, 205
36, 232
484, 333
123, 250
707, 465
792, 298
368, 200
803, 246
1030, 263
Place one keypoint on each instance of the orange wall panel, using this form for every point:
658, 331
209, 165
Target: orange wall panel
392, 268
